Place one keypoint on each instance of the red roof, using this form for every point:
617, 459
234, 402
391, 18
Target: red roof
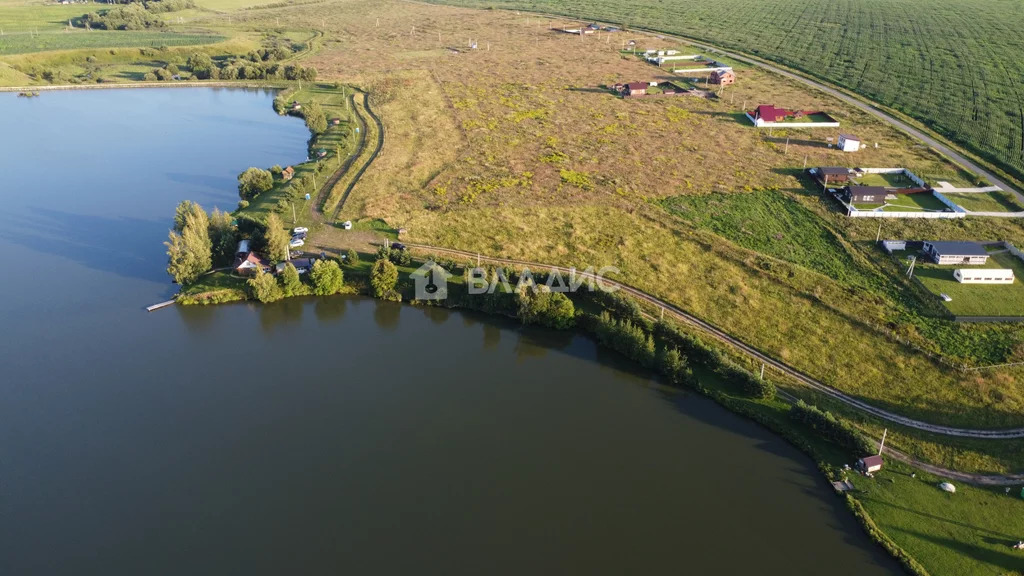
770, 113
638, 85
250, 257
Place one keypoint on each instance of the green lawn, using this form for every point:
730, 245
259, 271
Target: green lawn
977, 299
986, 201
39, 17
908, 203
771, 223
886, 180
964, 534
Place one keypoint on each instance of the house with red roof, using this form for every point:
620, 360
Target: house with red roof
768, 116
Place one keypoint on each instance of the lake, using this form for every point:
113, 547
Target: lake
336, 435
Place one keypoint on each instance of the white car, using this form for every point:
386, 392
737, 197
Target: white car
296, 242
347, 224
300, 230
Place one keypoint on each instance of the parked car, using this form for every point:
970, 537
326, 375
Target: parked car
296, 242
347, 225
300, 236
300, 230
397, 246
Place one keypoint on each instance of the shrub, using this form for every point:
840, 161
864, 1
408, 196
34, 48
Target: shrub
750, 384
383, 279
327, 277
263, 287
253, 182
352, 257
831, 428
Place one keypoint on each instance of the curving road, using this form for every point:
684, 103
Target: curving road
724, 337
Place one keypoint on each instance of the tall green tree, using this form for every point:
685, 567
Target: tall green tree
185, 207
316, 120
189, 253
352, 259
253, 182
327, 277
383, 279
276, 238
201, 65
223, 236
291, 283
263, 287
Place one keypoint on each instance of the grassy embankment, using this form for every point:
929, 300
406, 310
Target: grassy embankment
985, 201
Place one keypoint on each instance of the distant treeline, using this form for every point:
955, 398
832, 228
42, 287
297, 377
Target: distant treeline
133, 15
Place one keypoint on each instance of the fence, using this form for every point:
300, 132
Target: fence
913, 177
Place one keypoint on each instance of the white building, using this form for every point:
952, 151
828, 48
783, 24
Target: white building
984, 276
849, 143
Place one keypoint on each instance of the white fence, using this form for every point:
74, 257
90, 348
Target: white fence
852, 212
913, 177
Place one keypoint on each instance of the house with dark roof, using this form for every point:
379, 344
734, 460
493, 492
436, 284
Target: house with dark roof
637, 88
302, 265
950, 253
865, 194
826, 175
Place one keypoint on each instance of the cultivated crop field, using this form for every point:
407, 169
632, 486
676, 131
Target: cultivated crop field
24, 42
956, 65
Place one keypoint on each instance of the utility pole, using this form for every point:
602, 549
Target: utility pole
881, 444
805, 162
293, 213
910, 270
879, 235
787, 146
762, 371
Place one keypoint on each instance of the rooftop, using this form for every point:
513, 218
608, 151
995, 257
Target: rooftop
959, 248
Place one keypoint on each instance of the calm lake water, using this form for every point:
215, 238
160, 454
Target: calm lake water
333, 435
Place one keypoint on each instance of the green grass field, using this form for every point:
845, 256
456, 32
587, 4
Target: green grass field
23, 43
977, 299
985, 201
770, 223
911, 55
887, 180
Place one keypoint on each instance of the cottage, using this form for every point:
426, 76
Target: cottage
865, 194
984, 276
947, 253
723, 77
288, 173
335, 121
302, 265
849, 143
870, 464
832, 174
637, 88
249, 263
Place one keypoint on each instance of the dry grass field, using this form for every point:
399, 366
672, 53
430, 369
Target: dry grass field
514, 148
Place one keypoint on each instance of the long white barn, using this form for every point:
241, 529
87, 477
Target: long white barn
984, 275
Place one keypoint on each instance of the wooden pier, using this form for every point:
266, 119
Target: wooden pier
160, 305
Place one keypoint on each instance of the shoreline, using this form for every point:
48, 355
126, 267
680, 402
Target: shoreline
158, 84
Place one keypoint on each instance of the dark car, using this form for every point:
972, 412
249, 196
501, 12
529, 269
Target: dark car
397, 246
299, 236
